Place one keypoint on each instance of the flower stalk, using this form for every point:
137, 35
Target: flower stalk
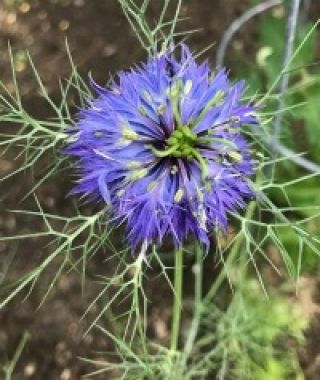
177, 303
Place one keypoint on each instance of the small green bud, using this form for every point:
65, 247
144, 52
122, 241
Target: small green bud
172, 140
177, 154
177, 134
186, 150
188, 133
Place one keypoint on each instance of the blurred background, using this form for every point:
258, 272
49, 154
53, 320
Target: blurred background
101, 42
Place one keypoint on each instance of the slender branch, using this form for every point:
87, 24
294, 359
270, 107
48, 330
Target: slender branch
10, 367
288, 50
294, 157
237, 24
287, 152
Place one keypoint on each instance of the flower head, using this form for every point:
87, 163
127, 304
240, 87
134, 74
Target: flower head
163, 147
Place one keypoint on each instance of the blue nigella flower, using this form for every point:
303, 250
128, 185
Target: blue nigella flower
162, 147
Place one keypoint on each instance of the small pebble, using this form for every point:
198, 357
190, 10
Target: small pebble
50, 202
66, 374
161, 329
65, 3
25, 7
20, 66
11, 18
78, 3
45, 27
3, 340
279, 12
62, 354
42, 15
88, 339
10, 223
5, 166
109, 50
64, 25
30, 369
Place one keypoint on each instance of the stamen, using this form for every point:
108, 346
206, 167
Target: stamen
133, 165
178, 196
142, 111
174, 169
152, 185
98, 133
146, 95
235, 156
187, 87
161, 109
138, 174
129, 134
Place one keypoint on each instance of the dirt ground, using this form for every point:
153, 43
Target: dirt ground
101, 42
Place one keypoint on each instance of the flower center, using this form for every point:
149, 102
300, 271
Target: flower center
182, 142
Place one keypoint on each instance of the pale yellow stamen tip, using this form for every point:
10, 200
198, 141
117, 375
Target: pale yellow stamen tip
178, 196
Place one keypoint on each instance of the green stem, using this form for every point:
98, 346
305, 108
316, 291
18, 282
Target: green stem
177, 304
197, 302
